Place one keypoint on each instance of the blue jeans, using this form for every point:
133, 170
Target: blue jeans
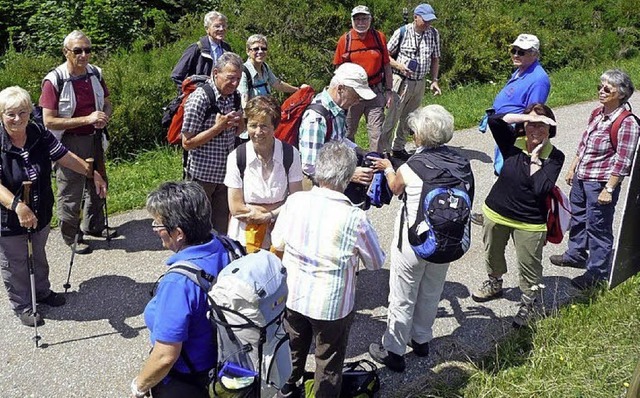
591, 232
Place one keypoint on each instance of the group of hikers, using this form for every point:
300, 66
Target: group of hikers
243, 182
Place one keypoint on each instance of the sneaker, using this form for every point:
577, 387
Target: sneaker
490, 289
107, 233
27, 318
81, 248
393, 361
559, 261
526, 312
587, 281
477, 218
53, 300
421, 350
289, 390
402, 155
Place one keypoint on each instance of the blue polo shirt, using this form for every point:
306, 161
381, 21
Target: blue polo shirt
178, 311
522, 90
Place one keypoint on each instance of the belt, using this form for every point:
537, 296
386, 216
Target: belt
406, 78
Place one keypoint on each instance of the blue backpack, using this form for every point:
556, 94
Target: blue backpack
441, 232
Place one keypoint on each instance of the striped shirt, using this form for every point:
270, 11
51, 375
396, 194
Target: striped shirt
323, 237
207, 162
419, 46
313, 130
598, 158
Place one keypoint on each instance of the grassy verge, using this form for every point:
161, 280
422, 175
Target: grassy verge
589, 349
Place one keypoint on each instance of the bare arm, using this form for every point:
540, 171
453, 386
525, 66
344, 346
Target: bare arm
73, 162
435, 70
26, 217
157, 367
285, 87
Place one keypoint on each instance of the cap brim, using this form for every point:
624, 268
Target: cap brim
365, 93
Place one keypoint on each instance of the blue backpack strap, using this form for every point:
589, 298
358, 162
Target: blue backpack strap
194, 273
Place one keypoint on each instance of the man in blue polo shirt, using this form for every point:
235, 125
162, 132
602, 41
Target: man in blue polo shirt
529, 84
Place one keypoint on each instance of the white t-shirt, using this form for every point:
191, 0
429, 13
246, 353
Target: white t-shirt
256, 189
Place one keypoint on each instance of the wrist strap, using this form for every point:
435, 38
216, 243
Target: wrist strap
15, 202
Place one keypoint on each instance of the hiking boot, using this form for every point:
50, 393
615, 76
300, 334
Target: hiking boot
53, 300
477, 218
81, 248
490, 289
393, 361
26, 318
559, 261
107, 233
587, 281
289, 390
526, 312
402, 154
421, 350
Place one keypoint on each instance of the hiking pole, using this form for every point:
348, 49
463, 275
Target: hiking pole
67, 285
106, 222
26, 189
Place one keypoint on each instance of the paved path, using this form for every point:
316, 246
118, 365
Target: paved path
94, 346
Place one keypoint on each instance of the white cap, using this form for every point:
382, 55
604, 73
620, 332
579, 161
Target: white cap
360, 10
527, 42
354, 76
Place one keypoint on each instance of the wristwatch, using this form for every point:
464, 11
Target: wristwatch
608, 189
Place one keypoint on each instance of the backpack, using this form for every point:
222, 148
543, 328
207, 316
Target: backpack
441, 232
615, 127
291, 113
346, 56
359, 380
558, 215
173, 113
247, 77
248, 303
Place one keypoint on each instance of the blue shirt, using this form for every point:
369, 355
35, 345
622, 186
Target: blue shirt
523, 89
178, 311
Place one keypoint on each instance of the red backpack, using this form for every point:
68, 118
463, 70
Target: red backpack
558, 215
292, 110
615, 127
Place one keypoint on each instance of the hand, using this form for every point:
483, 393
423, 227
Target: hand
25, 216
535, 154
604, 198
435, 89
404, 70
101, 185
98, 119
304, 85
362, 175
569, 177
379, 164
231, 119
389, 98
541, 119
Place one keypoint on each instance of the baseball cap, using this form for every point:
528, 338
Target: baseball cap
360, 10
425, 11
354, 76
527, 42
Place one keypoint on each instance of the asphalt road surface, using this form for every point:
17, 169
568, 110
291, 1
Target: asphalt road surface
95, 344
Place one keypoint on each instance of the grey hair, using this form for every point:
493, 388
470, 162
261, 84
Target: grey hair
14, 97
212, 16
621, 81
432, 125
182, 204
335, 165
228, 58
75, 35
257, 38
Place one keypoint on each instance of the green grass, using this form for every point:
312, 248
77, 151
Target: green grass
589, 349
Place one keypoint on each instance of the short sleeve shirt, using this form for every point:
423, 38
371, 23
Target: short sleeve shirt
260, 84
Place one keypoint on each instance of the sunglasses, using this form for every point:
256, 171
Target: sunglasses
256, 49
606, 89
78, 51
519, 52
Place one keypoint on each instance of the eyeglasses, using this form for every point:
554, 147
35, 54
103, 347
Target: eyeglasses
155, 226
606, 89
256, 49
519, 52
78, 50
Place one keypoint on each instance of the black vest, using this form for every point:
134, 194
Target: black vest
14, 173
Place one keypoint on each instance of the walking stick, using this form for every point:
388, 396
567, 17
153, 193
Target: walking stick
26, 189
67, 285
106, 222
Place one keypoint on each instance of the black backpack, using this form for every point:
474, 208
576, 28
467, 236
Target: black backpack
441, 232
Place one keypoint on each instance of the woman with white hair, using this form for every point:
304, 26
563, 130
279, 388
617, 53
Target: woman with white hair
26, 153
603, 158
415, 284
323, 237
